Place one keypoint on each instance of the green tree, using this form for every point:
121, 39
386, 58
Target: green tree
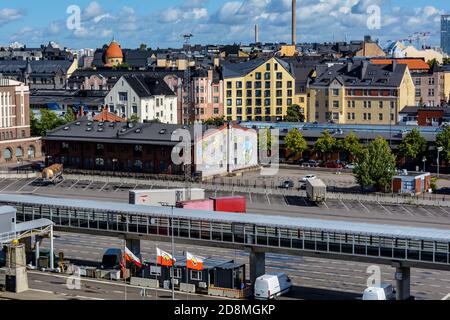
376, 166
49, 120
446, 61
351, 146
34, 125
326, 144
143, 47
134, 118
69, 116
432, 62
294, 114
295, 142
215, 121
413, 146
443, 140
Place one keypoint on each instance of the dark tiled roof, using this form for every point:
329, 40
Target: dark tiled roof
39, 66
147, 86
360, 74
233, 70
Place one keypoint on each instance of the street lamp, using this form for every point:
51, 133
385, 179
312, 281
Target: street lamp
424, 160
439, 150
165, 204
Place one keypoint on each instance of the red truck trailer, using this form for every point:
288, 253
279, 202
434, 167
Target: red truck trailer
230, 204
207, 205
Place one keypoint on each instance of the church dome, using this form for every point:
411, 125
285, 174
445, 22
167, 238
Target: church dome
114, 51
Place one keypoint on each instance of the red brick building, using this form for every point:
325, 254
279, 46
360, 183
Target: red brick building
16, 143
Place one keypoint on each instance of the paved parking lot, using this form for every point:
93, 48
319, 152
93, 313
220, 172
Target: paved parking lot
256, 202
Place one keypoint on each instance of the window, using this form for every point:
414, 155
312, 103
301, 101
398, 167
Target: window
19, 152
216, 110
267, 102
418, 92
267, 84
335, 115
177, 273
393, 104
31, 152
279, 76
249, 85
229, 85
239, 102
289, 102
248, 102
267, 76
417, 81
123, 96
267, 93
336, 92
239, 110
289, 93
279, 84
380, 117
279, 102
216, 99
289, 84
336, 104
258, 75
229, 93
229, 110
229, 102
431, 92
258, 85
249, 93
380, 104
267, 66
431, 81
239, 93
238, 84
279, 93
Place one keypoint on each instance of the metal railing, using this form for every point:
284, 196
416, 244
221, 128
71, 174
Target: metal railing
426, 253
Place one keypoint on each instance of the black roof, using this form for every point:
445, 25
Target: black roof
147, 86
36, 66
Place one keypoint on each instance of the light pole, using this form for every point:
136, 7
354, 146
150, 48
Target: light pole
424, 160
165, 204
439, 150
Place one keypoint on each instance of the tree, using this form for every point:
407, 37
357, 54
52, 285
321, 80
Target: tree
326, 144
49, 121
351, 146
413, 146
443, 140
295, 142
432, 62
69, 116
446, 61
34, 125
294, 114
134, 118
265, 140
376, 166
143, 47
215, 121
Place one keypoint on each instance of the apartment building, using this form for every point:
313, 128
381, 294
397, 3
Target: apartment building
207, 91
16, 143
148, 98
259, 90
360, 93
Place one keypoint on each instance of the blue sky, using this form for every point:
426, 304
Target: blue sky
161, 23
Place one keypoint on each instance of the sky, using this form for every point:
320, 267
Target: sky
161, 24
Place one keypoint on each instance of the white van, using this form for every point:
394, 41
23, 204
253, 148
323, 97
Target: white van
383, 292
272, 285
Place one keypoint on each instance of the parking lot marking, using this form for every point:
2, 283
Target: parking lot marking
326, 206
445, 210
426, 211
363, 206
409, 212
117, 189
103, 188
344, 205
12, 183
73, 185
85, 188
26, 185
268, 200
390, 213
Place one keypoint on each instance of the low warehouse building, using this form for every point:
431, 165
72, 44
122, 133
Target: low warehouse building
411, 183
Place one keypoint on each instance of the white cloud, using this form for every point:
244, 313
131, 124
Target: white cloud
9, 15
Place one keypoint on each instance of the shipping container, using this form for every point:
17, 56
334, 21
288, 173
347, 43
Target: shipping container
168, 197
316, 190
206, 205
230, 204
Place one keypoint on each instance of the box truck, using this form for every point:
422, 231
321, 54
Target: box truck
168, 197
316, 190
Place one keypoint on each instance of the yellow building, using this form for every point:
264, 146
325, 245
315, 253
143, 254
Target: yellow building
260, 90
360, 93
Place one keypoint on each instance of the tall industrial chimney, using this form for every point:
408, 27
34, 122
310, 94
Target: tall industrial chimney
256, 33
294, 22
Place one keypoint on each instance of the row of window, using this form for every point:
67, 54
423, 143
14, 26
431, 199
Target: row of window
258, 84
418, 81
430, 92
278, 111
351, 104
8, 153
258, 102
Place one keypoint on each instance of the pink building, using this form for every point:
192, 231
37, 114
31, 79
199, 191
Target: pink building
207, 93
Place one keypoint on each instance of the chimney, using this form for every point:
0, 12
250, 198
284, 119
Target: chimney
256, 33
294, 22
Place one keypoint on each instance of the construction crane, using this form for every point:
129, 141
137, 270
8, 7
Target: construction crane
419, 37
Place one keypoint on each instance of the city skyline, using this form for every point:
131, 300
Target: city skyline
162, 24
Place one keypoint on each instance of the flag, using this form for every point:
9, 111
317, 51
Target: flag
130, 257
194, 262
164, 258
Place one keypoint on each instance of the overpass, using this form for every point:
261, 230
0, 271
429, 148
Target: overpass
397, 246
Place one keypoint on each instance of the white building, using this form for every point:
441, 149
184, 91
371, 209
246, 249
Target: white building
147, 97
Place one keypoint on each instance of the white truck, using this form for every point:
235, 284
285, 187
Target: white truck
316, 190
272, 285
168, 197
382, 292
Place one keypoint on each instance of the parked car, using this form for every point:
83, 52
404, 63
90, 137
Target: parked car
38, 166
309, 177
383, 292
288, 184
271, 286
333, 165
350, 166
311, 163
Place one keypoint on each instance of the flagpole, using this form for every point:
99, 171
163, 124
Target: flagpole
125, 267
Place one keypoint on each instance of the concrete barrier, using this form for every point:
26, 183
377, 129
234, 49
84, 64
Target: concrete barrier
144, 282
186, 287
